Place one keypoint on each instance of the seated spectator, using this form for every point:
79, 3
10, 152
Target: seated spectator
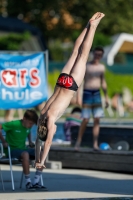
16, 133
117, 104
129, 106
72, 120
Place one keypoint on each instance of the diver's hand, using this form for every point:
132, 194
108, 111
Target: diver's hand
39, 166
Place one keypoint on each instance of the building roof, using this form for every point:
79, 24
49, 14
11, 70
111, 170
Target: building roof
122, 42
10, 24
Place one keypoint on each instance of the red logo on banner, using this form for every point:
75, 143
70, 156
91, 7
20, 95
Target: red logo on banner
35, 80
9, 77
22, 80
14, 78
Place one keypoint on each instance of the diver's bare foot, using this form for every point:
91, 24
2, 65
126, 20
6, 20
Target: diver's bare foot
96, 19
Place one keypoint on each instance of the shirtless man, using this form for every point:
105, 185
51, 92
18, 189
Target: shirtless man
94, 80
67, 84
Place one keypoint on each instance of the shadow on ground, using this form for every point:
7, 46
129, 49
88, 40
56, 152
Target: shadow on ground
65, 181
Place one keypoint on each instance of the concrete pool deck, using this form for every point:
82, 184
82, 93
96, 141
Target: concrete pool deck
68, 184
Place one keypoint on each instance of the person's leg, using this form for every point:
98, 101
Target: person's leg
26, 171
76, 49
37, 178
97, 114
9, 115
96, 129
80, 48
81, 132
67, 68
26, 164
24, 157
87, 100
79, 67
36, 181
38, 174
20, 113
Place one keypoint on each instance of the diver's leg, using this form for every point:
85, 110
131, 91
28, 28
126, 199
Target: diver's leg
67, 68
79, 68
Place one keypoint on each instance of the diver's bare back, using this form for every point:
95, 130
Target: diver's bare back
93, 75
60, 103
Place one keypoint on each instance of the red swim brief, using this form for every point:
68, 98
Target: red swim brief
67, 81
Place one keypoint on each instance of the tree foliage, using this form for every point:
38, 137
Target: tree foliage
13, 41
64, 19
117, 82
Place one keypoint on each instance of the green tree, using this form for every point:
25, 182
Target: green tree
116, 82
58, 18
64, 20
13, 41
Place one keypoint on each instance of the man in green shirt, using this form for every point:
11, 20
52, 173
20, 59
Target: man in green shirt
16, 134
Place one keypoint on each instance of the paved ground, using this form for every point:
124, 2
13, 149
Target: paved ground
68, 184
